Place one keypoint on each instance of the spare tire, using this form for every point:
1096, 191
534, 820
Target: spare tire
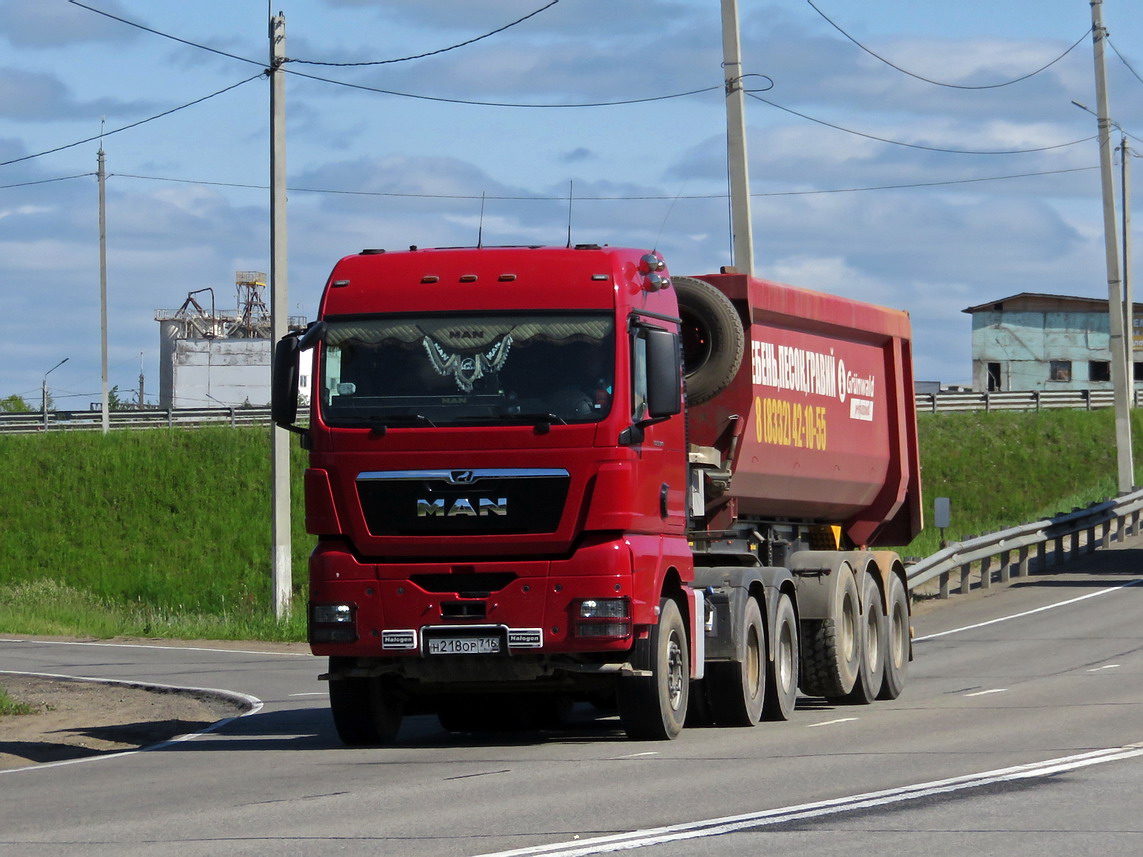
713, 340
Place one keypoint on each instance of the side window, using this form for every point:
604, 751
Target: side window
639, 371
1060, 370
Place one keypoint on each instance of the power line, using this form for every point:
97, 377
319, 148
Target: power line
444, 100
904, 71
641, 198
165, 35
1123, 59
46, 181
103, 134
431, 53
918, 145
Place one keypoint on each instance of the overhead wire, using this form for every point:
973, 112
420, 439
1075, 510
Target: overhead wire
579, 197
46, 181
945, 84
155, 32
474, 103
430, 53
1123, 60
918, 145
103, 134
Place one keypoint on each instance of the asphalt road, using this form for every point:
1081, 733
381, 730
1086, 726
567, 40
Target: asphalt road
1020, 732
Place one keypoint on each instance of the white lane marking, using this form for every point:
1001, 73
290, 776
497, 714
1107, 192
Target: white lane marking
869, 800
831, 722
312, 693
173, 647
254, 706
637, 755
1029, 612
987, 692
1107, 667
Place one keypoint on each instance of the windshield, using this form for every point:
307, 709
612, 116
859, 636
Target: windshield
467, 369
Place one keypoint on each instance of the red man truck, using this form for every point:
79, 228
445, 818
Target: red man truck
542, 474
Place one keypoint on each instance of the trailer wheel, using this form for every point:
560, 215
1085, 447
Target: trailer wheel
736, 690
713, 340
654, 708
782, 678
831, 650
365, 710
872, 666
897, 641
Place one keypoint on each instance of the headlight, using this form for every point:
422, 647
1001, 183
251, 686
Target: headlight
603, 617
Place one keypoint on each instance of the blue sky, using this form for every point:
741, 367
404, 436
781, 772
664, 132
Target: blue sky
187, 204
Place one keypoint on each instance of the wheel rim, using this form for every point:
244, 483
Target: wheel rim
785, 659
899, 635
872, 638
675, 675
753, 663
848, 630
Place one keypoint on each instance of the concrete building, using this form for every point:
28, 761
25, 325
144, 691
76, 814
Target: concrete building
1046, 342
210, 358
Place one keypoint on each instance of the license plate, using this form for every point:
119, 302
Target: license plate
463, 645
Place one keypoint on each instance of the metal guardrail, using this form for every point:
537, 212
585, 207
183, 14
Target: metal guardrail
999, 556
29, 422
948, 401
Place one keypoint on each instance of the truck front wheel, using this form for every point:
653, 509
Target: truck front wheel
654, 707
365, 710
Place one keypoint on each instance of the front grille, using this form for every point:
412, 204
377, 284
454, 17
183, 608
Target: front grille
463, 502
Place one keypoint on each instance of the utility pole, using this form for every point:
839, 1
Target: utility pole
1128, 286
282, 560
741, 227
104, 396
1124, 455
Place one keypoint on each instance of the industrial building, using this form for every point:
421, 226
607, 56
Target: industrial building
1046, 342
211, 358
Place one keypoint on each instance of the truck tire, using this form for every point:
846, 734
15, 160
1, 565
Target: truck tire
365, 710
897, 640
713, 339
872, 667
782, 675
736, 690
654, 708
831, 647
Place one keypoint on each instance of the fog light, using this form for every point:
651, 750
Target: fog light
331, 614
603, 618
604, 608
333, 623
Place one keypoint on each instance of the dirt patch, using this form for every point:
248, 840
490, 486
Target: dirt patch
72, 719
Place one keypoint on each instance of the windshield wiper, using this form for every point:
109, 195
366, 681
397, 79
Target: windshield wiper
380, 425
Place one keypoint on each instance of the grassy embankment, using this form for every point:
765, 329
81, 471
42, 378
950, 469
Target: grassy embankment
165, 533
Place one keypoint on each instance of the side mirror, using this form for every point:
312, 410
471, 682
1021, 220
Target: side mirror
284, 382
664, 375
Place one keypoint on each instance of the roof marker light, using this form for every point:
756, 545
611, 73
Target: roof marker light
468, 278
506, 278
430, 278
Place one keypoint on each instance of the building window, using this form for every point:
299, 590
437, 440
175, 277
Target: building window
1099, 370
1060, 370
1138, 371
994, 384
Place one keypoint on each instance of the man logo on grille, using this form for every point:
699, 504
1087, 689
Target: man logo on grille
462, 477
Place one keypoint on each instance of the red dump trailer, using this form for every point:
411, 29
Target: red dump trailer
540, 475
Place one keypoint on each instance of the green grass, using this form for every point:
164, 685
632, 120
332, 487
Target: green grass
166, 533
159, 533
10, 706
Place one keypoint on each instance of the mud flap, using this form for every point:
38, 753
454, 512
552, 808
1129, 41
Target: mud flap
696, 607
